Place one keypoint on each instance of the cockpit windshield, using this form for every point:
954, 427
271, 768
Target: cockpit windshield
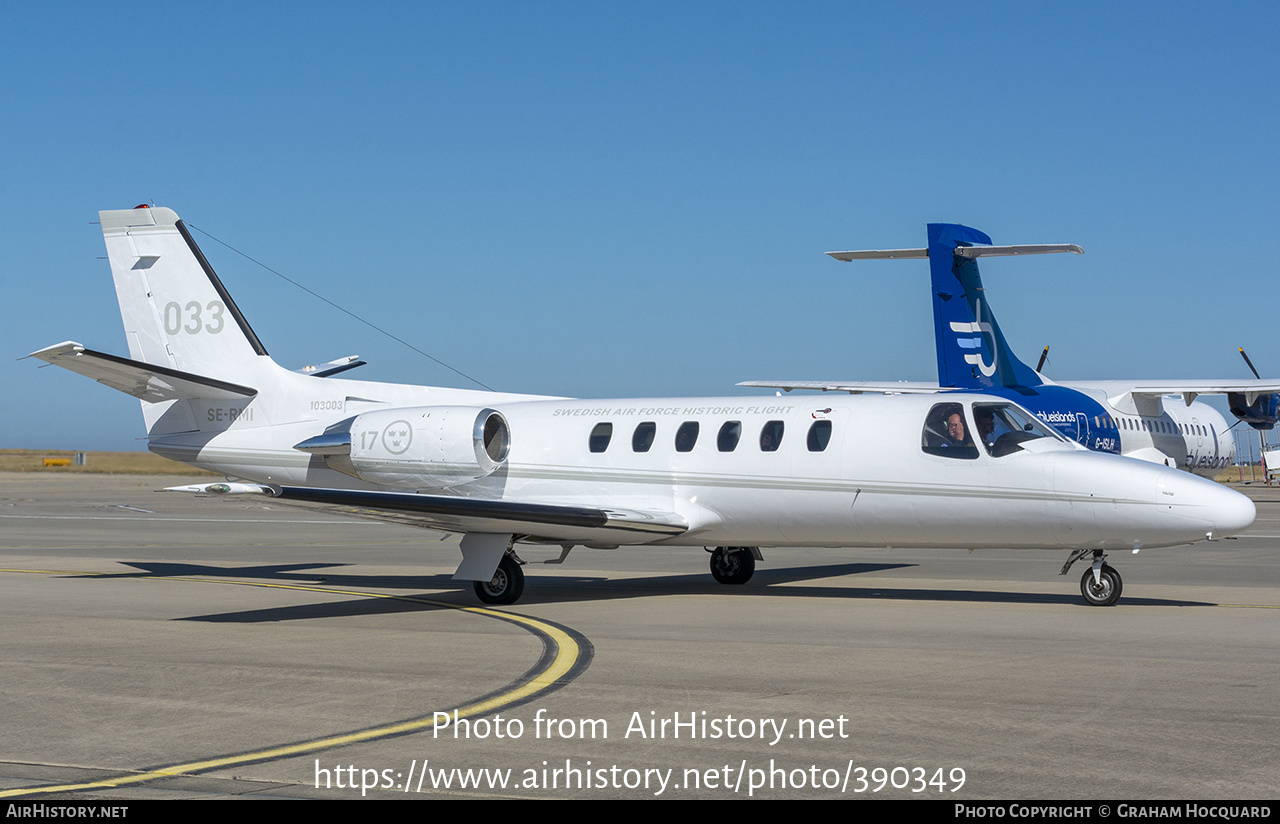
1002, 427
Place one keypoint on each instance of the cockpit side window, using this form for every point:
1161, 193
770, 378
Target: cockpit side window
946, 432
1003, 427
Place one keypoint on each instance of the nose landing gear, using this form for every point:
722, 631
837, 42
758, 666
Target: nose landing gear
1101, 588
1101, 584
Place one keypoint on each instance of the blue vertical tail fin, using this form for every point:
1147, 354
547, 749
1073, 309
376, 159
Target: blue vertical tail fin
972, 352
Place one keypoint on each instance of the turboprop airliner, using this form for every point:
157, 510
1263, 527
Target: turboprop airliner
1156, 421
513, 472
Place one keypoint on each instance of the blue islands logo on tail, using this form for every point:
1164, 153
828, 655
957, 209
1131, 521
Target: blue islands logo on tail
972, 353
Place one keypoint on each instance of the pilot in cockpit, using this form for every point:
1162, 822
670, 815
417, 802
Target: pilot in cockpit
984, 419
956, 431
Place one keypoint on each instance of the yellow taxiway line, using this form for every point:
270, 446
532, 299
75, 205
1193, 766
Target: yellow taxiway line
566, 656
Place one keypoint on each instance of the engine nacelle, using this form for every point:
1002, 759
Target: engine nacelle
1260, 412
428, 446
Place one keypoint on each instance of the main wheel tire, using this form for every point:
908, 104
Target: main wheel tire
506, 586
1104, 593
732, 565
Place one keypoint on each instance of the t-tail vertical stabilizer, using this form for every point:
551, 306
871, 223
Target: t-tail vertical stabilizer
972, 352
176, 312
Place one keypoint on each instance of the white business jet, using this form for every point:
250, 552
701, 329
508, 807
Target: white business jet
728, 474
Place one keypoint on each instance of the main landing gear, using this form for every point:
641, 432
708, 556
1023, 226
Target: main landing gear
507, 584
1100, 585
733, 564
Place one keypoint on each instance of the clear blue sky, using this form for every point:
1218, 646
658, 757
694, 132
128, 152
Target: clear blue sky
622, 199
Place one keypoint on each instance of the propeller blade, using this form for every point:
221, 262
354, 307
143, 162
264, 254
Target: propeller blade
1045, 356
1249, 362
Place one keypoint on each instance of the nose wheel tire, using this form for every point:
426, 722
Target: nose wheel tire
732, 565
1102, 593
506, 586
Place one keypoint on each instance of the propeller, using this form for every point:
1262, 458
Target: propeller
1263, 413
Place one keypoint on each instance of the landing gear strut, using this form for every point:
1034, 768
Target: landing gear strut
1099, 585
732, 564
507, 584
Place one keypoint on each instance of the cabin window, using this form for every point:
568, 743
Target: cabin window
771, 436
819, 436
642, 438
686, 436
600, 437
1003, 427
730, 433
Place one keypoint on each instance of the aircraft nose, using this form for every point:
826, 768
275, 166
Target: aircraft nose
1223, 510
1233, 512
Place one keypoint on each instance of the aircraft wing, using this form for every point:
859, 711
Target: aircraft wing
144, 381
1189, 390
551, 522
852, 387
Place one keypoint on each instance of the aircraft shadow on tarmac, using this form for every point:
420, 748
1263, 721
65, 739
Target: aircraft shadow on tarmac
577, 589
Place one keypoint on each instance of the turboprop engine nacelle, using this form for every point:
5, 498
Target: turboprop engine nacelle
428, 446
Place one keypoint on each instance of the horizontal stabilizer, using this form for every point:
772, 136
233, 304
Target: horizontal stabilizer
333, 367
1008, 251
961, 251
144, 381
224, 488
882, 254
